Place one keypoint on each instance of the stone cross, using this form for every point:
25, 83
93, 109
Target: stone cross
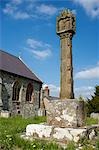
66, 29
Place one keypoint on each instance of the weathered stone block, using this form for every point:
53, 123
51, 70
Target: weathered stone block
39, 130
63, 135
66, 113
5, 114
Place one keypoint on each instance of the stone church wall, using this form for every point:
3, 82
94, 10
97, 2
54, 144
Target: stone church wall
22, 107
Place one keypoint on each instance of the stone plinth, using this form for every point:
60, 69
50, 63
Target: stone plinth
58, 134
66, 113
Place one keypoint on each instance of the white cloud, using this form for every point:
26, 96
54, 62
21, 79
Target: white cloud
47, 9
40, 49
84, 91
74, 11
29, 9
16, 2
35, 44
9, 9
12, 10
91, 6
41, 54
19, 9
54, 90
88, 74
21, 15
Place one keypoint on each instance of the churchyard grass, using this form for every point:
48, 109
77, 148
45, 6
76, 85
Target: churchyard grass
12, 128
90, 121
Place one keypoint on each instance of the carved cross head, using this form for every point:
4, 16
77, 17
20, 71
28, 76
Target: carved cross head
65, 22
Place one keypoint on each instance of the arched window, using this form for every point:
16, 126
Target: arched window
29, 92
16, 91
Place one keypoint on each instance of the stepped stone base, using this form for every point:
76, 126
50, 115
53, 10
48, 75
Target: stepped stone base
65, 113
62, 135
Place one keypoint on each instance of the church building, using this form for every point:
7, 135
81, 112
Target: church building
19, 87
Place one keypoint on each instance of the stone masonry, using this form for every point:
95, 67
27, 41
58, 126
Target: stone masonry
66, 29
21, 107
69, 113
60, 135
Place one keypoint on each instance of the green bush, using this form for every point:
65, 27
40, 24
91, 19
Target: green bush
93, 103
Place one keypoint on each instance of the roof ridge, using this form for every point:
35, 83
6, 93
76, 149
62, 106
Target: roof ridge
9, 53
29, 68
8, 66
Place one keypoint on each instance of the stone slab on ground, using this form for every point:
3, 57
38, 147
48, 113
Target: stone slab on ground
65, 113
5, 114
58, 134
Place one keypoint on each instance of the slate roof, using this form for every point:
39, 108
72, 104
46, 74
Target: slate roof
53, 98
13, 64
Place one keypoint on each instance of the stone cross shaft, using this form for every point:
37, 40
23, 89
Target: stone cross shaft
66, 29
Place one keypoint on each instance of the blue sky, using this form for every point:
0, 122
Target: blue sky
28, 30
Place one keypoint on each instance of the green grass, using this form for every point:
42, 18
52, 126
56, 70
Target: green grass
71, 146
11, 128
90, 121
17, 124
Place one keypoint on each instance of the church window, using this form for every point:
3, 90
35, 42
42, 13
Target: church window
29, 92
16, 91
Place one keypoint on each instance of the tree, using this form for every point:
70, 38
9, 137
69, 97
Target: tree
93, 103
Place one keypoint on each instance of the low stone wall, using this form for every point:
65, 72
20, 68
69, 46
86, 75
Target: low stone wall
62, 135
65, 113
